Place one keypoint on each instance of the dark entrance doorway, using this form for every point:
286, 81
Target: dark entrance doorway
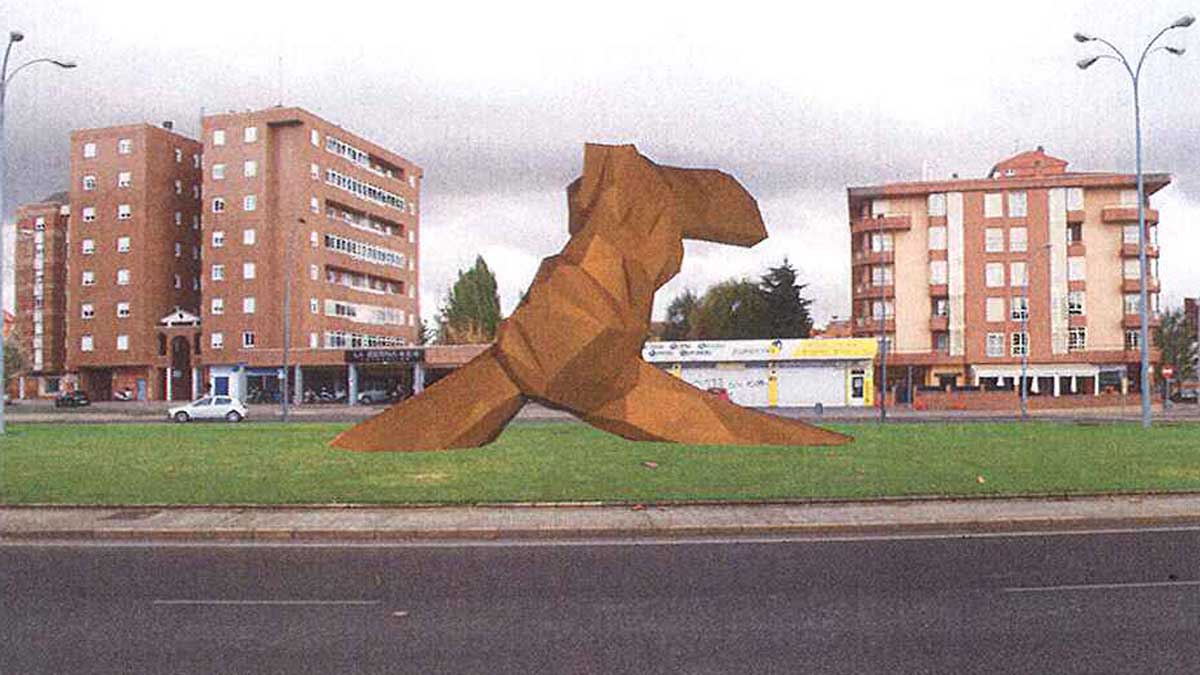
180, 371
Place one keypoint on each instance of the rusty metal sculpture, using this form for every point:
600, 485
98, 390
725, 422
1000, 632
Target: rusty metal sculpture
575, 341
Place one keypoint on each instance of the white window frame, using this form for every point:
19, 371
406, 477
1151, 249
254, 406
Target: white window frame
994, 275
993, 205
1018, 274
124, 146
1018, 204
249, 237
216, 340
1018, 239
249, 270
124, 244
87, 311
250, 135
123, 310
89, 183
995, 345
124, 277
1019, 308
249, 168
218, 172
250, 203
249, 305
218, 137
216, 306
249, 339
122, 343
938, 272
993, 240
124, 211
1076, 268
86, 343
218, 205
87, 246
994, 309
89, 150
1019, 343
217, 272
124, 179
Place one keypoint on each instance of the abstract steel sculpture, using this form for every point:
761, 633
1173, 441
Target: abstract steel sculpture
575, 341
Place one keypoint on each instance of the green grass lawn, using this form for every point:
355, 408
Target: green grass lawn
286, 464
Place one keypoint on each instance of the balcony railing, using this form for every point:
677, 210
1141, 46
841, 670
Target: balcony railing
1131, 250
897, 222
1135, 285
1126, 214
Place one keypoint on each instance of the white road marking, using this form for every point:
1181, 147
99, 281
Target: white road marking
267, 602
1100, 587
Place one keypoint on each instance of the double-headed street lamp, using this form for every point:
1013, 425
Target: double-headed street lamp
5, 78
1135, 74
1025, 331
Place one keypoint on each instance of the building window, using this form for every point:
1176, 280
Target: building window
879, 310
995, 309
88, 278
124, 179
993, 240
314, 137
314, 171
218, 272
1076, 269
937, 272
88, 246
216, 341
248, 237
313, 239
123, 310
124, 146
995, 344
123, 244
1020, 344
195, 192
218, 205
122, 343
89, 214
249, 134
249, 203
89, 182
1018, 240
178, 281
1129, 234
1020, 308
314, 341
195, 282
218, 238
993, 205
881, 275
218, 171
1133, 303
1075, 303
195, 221
1018, 204
178, 156
196, 165
1077, 339
250, 168
314, 305
1074, 233
122, 277
87, 310
1075, 199
994, 275
881, 242
248, 305
178, 218
314, 272
248, 270
941, 342
248, 339
1131, 268
937, 204
1017, 274
219, 137
217, 306
178, 250
85, 343
89, 150
178, 187
314, 205
124, 212
1133, 340
940, 307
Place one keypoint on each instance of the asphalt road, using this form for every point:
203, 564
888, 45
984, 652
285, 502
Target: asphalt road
1116, 602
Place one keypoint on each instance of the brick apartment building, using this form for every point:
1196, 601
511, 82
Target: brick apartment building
968, 274
295, 205
40, 280
133, 287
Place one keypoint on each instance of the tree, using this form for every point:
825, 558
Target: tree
14, 358
471, 312
1176, 338
679, 316
787, 309
731, 310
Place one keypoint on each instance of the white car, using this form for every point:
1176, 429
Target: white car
210, 408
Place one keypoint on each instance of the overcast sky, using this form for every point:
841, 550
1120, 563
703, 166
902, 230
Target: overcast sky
495, 100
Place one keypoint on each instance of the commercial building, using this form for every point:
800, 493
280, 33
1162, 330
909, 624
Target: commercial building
40, 279
968, 276
133, 262
774, 373
306, 220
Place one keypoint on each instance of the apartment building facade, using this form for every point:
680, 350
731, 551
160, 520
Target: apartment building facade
40, 277
133, 259
305, 219
969, 277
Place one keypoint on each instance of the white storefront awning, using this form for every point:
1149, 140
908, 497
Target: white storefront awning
1039, 370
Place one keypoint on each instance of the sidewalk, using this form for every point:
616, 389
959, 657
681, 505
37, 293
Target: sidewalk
551, 522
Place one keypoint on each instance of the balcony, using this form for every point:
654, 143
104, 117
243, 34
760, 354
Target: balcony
1076, 248
867, 291
939, 323
885, 223
873, 257
1126, 214
869, 327
1135, 285
1075, 216
1131, 250
1135, 321
939, 291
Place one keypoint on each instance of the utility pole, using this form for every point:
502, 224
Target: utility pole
287, 315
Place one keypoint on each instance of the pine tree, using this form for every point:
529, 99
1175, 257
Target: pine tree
787, 308
471, 312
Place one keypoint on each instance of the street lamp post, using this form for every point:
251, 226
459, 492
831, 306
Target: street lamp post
1025, 331
5, 78
1135, 77
883, 341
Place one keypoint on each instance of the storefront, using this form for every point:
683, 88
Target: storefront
774, 373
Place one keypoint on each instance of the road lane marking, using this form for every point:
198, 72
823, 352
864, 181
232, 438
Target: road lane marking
1100, 587
268, 602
